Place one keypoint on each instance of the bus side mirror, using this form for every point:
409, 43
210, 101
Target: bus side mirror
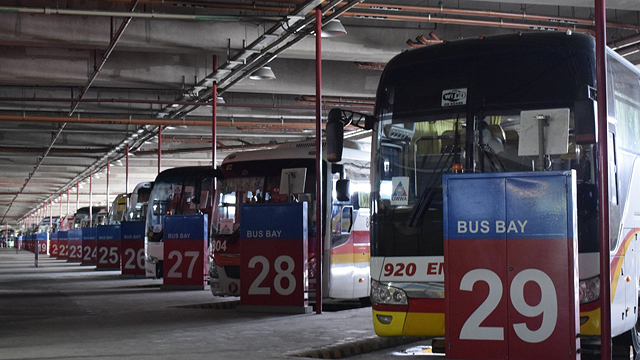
334, 132
342, 190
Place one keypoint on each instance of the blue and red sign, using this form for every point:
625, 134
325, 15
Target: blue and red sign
132, 247
74, 245
41, 240
53, 243
510, 266
108, 247
89, 246
273, 248
185, 251
62, 245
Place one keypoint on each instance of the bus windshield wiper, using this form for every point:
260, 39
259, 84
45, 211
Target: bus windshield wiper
430, 188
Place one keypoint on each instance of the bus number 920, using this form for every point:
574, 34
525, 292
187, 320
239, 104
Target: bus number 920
399, 269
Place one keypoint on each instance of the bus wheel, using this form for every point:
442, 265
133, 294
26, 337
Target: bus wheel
159, 270
365, 301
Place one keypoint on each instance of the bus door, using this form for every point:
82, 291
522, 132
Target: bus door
342, 260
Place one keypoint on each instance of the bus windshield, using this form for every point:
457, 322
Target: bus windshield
186, 194
412, 154
260, 181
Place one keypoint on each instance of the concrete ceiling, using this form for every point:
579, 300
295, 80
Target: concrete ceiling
131, 67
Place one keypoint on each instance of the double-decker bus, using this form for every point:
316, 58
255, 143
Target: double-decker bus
264, 176
457, 107
176, 191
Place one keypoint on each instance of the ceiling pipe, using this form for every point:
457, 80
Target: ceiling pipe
421, 41
628, 50
154, 102
116, 14
620, 44
211, 5
395, 8
159, 122
370, 65
24, 149
444, 20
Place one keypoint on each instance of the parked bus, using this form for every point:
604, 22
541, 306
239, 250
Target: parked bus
137, 207
262, 176
67, 222
118, 210
81, 218
457, 107
45, 227
177, 191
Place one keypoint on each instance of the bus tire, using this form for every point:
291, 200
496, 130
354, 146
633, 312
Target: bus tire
159, 270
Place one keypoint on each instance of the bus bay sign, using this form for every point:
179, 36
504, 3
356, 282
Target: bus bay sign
511, 266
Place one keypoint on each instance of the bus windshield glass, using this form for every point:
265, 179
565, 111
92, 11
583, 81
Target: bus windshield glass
412, 154
177, 195
138, 210
259, 181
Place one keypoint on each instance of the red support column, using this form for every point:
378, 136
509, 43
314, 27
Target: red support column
159, 147
127, 169
319, 197
214, 114
214, 138
108, 203
50, 217
91, 199
603, 181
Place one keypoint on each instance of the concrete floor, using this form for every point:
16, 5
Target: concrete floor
62, 310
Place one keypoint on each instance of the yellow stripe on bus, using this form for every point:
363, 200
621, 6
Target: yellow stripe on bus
349, 258
409, 324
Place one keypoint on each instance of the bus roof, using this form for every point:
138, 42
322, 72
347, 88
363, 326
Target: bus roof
189, 170
511, 71
298, 150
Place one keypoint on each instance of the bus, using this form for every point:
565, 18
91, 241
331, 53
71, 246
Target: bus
118, 210
46, 227
82, 219
137, 207
457, 107
262, 177
176, 191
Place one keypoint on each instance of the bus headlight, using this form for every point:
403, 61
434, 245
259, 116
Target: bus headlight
152, 259
213, 269
589, 290
385, 294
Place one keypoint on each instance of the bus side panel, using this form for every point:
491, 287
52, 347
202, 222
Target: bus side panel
360, 235
629, 273
350, 262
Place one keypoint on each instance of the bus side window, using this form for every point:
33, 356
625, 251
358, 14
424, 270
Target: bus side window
347, 219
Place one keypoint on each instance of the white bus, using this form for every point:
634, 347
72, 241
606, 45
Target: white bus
261, 176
